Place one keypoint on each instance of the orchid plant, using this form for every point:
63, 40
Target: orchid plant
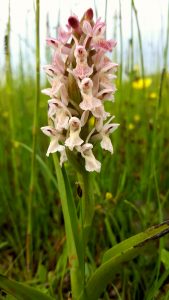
82, 76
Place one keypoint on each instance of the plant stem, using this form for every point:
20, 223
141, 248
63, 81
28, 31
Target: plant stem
9, 83
167, 43
34, 142
87, 203
140, 41
74, 243
121, 45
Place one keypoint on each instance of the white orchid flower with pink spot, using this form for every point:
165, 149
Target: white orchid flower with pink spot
74, 139
91, 163
55, 136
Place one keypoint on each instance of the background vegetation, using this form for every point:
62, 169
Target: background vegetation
132, 190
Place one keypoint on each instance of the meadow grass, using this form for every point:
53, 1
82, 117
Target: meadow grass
132, 190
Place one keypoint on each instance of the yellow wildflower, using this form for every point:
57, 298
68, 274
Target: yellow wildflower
141, 83
109, 196
153, 96
131, 126
5, 114
136, 118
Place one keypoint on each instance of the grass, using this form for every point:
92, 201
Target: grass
132, 191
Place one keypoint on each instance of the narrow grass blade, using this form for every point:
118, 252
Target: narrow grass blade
41, 163
34, 146
21, 291
121, 253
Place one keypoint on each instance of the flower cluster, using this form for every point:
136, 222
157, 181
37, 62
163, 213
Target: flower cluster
82, 79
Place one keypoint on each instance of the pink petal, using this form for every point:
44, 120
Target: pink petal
87, 28
53, 42
83, 71
63, 36
104, 45
99, 27
58, 63
89, 14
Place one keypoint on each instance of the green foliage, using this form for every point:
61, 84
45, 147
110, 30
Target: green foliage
20, 291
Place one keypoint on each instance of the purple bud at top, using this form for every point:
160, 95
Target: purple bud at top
89, 14
73, 22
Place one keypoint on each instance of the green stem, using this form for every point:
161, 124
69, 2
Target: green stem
121, 45
34, 143
140, 41
73, 236
9, 82
167, 43
87, 203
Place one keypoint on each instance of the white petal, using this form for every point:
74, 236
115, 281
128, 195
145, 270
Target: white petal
91, 163
73, 140
63, 157
106, 144
54, 146
84, 117
49, 130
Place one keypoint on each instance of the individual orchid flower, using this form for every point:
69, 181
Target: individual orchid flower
91, 163
74, 139
102, 44
58, 90
98, 28
89, 101
55, 136
104, 133
59, 113
82, 68
58, 45
64, 36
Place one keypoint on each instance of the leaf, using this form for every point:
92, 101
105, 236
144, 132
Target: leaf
119, 254
165, 258
21, 291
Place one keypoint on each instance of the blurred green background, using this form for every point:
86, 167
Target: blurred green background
132, 189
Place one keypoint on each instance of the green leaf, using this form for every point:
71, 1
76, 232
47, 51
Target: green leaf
21, 291
119, 254
165, 258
